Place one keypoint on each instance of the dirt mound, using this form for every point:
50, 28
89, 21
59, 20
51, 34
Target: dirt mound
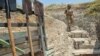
57, 38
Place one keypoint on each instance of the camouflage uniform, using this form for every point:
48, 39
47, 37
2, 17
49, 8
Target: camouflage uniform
69, 19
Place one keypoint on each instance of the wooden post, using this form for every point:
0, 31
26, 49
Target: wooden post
26, 5
12, 42
30, 38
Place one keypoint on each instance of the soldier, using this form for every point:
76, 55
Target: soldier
69, 17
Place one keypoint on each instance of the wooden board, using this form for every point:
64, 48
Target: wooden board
17, 24
24, 46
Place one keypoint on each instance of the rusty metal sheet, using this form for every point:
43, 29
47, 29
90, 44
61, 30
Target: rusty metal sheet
38, 8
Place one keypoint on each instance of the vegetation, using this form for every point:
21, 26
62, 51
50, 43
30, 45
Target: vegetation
55, 6
94, 8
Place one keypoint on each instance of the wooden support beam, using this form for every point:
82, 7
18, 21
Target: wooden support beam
27, 7
17, 24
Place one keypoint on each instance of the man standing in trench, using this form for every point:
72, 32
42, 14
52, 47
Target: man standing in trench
69, 17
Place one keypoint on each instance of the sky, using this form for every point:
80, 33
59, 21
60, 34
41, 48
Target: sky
48, 2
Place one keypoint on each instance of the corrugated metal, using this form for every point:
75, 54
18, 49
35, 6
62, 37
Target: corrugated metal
29, 5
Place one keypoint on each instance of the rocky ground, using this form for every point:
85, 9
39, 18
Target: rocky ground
82, 24
59, 41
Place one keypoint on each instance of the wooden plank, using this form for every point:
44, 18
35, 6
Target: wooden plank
22, 40
27, 50
6, 51
86, 51
90, 55
80, 39
21, 43
17, 24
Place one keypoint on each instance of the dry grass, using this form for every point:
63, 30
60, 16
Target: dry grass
17, 17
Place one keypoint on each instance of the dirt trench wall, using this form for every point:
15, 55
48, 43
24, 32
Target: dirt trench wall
57, 38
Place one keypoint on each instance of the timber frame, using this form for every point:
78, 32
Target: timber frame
41, 28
